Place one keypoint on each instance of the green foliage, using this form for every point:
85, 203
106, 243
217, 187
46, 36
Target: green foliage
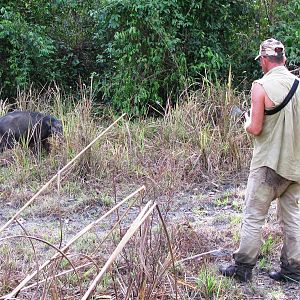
153, 49
268, 245
141, 54
24, 50
286, 27
236, 220
263, 263
208, 283
43, 41
222, 200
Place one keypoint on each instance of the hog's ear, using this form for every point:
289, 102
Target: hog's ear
48, 122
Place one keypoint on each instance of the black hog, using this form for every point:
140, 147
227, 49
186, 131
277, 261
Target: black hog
32, 128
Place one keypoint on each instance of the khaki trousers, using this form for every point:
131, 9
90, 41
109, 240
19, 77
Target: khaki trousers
264, 185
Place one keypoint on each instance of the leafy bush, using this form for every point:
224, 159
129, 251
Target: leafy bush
43, 41
142, 54
286, 27
153, 49
24, 51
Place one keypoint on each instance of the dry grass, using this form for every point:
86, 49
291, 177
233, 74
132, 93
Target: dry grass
194, 143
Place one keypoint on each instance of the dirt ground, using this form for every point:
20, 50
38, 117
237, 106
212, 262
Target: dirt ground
207, 218
215, 220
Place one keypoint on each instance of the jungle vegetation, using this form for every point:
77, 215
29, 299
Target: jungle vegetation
140, 54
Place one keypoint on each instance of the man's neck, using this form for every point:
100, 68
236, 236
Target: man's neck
273, 65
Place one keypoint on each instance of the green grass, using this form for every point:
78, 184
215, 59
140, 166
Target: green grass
213, 286
236, 219
222, 201
263, 263
207, 283
237, 206
268, 245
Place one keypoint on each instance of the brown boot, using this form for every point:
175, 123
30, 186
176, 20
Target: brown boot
240, 272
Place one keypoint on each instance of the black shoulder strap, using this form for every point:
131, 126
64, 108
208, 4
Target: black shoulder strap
285, 101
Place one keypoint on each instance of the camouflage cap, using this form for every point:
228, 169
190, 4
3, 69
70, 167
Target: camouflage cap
271, 47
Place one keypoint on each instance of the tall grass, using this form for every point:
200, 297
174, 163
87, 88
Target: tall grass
193, 142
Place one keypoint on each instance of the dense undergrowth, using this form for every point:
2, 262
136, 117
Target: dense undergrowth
189, 143
194, 143
139, 52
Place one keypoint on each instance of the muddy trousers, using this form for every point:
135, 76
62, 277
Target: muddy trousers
264, 185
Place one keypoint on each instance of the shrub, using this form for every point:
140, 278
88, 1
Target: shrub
25, 51
153, 49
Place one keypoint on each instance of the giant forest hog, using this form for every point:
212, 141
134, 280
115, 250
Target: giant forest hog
33, 128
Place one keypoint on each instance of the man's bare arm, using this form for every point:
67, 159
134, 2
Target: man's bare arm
254, 123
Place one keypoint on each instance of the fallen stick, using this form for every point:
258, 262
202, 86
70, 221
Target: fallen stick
58, 175
66, 247
140, 219
198, 255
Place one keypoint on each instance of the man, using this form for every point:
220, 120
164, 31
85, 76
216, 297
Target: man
275, 167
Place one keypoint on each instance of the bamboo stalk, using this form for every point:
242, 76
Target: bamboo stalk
115, 225
58, 175
76, 237
140, 219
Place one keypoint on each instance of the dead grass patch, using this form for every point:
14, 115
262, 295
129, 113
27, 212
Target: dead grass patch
195, 143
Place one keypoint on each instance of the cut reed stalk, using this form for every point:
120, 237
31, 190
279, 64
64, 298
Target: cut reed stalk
140, 219
198, 255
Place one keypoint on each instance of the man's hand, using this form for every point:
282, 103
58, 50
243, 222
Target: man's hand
247, 119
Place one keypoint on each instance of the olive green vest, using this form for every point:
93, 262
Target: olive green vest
278, 146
